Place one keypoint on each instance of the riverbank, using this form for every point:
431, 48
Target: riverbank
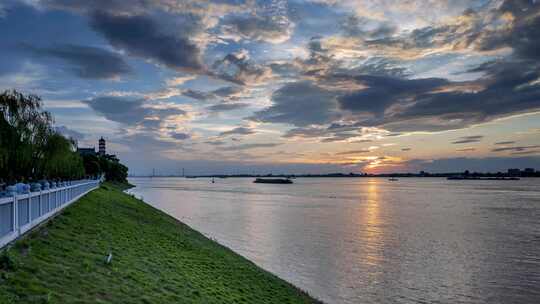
156, 259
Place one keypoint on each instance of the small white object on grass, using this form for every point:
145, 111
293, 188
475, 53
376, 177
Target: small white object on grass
109, 258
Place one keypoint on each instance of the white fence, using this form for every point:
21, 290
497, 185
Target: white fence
22, 212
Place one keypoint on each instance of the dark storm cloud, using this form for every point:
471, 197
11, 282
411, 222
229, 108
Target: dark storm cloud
508, 88
128, 111
401, 105
119, 109
238, 131
141, 36
300, 104
382, 92
524, 34
222, 107
468, 139
85, 61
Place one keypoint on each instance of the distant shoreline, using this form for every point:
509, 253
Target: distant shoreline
437, 175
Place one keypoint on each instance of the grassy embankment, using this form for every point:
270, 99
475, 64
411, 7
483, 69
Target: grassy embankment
156, 259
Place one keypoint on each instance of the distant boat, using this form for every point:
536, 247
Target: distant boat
272, 181
393, 179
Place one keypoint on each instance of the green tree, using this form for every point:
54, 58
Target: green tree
29, 146
92, 165
60, 159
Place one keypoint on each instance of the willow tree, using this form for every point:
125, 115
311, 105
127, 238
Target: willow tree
29, 146
60, 159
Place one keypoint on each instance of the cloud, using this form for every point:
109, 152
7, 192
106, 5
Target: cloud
516, 149
85, 61
180, 135
384, 95
140, 36
238, 131
335, 132
215, 142
406, 149
504, 143
69, 132
130, 111
257, 28
357, 26
147, 144
353, 152
176, 81
237, 68
430, 104
227, 92
198, 95
468, 139
250, 146
300, 104
523, 34
222, 107
530, 152
383, 92
466, 150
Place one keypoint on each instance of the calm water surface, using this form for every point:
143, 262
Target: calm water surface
372, 240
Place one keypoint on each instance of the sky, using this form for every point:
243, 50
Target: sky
319, 86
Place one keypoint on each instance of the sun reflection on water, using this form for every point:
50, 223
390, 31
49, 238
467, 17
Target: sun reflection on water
372, 232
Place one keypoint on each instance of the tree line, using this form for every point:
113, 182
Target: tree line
32, 149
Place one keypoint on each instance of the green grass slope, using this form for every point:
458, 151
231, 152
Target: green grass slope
156, 259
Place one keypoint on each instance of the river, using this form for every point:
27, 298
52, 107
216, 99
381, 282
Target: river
370, 240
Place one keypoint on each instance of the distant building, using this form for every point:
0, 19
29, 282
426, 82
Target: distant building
102, 150
514, 172
92, 151
529, 171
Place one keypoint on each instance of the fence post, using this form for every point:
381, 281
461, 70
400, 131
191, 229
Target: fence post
29, 208
40, 205
15, 215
